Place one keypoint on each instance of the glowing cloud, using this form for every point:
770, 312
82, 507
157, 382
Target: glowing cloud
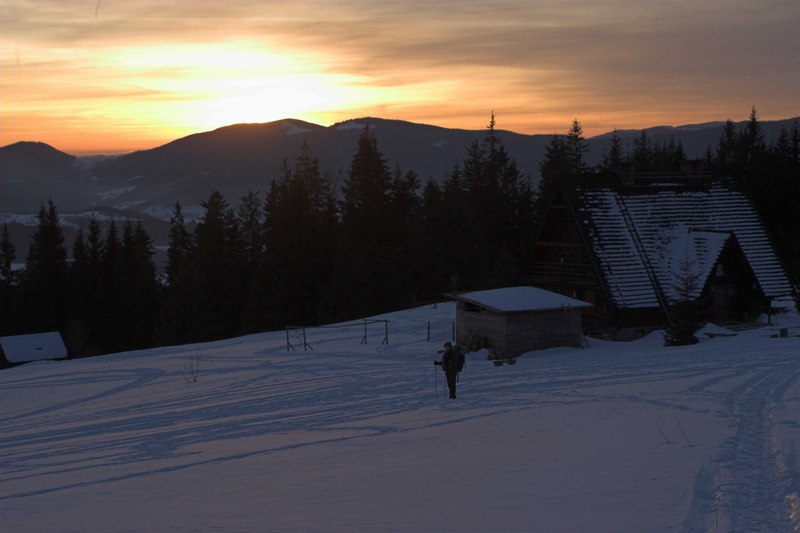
134, 73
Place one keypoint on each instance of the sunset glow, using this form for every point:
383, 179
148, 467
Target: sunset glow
128, 74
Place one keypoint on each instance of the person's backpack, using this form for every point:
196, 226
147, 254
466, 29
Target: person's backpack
450, 361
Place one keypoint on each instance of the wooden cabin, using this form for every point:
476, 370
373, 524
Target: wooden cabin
624, 245
515, 320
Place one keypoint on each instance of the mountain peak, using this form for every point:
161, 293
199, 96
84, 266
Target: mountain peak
33, 150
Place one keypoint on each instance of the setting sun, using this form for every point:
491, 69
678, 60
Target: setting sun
211, 86
124, 75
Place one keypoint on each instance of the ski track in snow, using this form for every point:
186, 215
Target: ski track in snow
754, 486
95, 422
748, 486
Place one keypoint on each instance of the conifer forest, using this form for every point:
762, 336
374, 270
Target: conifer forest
307, 252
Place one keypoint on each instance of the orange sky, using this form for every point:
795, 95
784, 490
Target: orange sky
116, 75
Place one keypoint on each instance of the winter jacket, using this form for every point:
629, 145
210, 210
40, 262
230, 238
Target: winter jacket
452, 361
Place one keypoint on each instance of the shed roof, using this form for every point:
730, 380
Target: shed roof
33, 347
518, 299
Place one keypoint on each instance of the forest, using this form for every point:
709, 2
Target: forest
305, 253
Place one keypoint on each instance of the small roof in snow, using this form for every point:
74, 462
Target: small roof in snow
33, 347
516, 299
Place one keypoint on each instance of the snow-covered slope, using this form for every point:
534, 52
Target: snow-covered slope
360, 437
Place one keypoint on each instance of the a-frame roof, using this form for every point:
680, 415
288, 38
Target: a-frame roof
640, 234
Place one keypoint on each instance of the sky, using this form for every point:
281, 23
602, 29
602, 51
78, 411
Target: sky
89, 76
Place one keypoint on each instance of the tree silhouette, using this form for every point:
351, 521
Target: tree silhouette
8, 283
613, 156
300, 236
44, 279
576, 148
364, 257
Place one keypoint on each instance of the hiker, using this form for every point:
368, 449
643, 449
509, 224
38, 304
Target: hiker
452, 363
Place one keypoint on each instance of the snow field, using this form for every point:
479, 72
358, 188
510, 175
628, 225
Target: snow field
352, 437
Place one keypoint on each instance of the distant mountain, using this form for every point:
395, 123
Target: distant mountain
32, 172
242, 157
696, 138
33, 160
236, 159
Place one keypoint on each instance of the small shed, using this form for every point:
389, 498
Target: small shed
18, 349
514, 320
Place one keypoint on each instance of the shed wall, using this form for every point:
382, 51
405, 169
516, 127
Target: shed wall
544, 329
484, 324
514, 333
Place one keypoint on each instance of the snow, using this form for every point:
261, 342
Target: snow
514, 299
294, 129
67, 220
353, 125
359, 437
691, 254
116, 193
18, 218
190, 212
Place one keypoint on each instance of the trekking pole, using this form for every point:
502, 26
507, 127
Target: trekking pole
435, 382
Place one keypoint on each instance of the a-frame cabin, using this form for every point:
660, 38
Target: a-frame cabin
624, 245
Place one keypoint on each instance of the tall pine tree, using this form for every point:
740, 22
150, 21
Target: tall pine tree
613, 157
362, 284
8, 283
44, 279
180, 318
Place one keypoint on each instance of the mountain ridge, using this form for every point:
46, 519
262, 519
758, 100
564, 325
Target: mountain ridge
237, 158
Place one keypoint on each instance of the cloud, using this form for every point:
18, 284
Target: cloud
537, 63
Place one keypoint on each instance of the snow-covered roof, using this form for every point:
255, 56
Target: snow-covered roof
33, 347
645, 232
516, 299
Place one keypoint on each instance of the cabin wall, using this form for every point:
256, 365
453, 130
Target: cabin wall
545, 329
732, 293
515, 333
483, 324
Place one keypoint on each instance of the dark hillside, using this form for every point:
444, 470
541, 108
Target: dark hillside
32, 172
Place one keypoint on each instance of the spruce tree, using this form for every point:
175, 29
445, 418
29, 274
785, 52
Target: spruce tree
112, 299
726, 147
434, 242
363, 265
642, 155
300, 237
219, 259
576, 148
139, 300
554, 165
44, 279
613, 156
8, 283
751, 145
181, 244
404, 253
180, 319
79, 330
685, 311
498, 208
250, 218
